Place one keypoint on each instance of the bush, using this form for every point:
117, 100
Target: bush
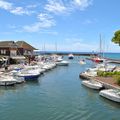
107, 74
117, 79
100, 73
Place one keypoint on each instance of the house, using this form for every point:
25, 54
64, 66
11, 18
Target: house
24, 48
8, 48
14, 52
12, 48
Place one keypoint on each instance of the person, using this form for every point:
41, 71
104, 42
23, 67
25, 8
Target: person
6, 67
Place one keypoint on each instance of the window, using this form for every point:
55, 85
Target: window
13, 52
3, 52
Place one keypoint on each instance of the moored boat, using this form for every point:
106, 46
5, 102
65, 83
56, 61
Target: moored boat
70, 56
82, 62
62, 63
92, 84
111, 94
7, 80
29, 75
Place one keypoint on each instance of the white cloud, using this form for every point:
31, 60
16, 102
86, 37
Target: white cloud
55, 6
5, 5
61, 6
44, 21
81, 4
14, 10
21, 11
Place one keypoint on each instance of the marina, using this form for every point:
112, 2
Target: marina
59, 60
57, 94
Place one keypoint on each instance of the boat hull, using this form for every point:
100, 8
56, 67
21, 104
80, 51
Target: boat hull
29, 77
7, 83
70, 57
110, 96
92, 85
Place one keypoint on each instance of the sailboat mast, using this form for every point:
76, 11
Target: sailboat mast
56, 46
100, 44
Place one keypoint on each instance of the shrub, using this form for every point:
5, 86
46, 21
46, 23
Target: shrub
100, 73
107, 74
117, 79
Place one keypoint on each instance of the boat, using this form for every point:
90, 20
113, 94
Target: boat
70, 56
58, 59
90, 73
97, 59
111, 94
62, 63
82, 62
29, 74
92, 84
7, 80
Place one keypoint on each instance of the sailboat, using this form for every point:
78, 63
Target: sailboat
98, 58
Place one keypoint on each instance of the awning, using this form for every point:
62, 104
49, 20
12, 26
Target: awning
18, 57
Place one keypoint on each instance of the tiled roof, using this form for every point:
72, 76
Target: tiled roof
23, 44
18, 44
7, 44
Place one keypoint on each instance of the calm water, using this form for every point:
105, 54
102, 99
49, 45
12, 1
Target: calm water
57, 95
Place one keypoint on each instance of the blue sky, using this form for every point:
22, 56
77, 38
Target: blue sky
72, 25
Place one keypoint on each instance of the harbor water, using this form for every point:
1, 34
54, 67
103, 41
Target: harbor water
57, 95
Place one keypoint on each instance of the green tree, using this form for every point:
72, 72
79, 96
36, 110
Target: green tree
116, 38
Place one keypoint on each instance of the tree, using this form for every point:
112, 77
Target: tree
116, 38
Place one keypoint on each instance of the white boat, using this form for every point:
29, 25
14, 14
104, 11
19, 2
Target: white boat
92, 84
82, 62
111, 94
59, 59
62, 63
90, 73
7, 80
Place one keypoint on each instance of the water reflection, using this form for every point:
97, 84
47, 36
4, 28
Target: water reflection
33, 82
109, 103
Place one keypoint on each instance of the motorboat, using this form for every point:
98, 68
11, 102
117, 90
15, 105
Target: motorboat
62, 63
90, 73
82, 62
29, 74
97, 59
59, 59
70, 56
111, 94
7, 80
92, 84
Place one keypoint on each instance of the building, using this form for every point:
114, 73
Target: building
19, 48
15, 50
24, 48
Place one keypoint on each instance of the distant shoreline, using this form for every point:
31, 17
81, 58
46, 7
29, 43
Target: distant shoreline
65, 53
74, 53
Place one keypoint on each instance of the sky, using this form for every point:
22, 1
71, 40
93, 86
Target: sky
62, 25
